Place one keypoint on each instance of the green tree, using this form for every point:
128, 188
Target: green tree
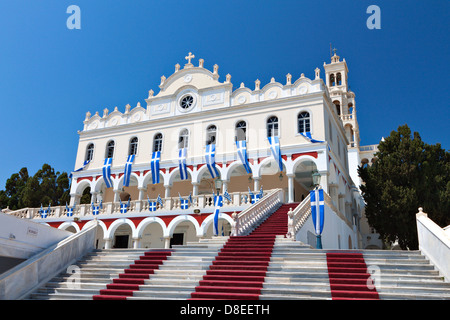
407, 174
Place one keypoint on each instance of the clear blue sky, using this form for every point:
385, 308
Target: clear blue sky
51, 76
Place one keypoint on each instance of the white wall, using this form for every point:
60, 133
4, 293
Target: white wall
22, 238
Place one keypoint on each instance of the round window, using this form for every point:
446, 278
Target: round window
186, 102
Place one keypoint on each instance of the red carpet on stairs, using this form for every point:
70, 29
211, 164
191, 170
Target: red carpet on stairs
129, 281
348, 276
239, 269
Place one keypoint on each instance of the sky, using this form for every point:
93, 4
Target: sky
50, 75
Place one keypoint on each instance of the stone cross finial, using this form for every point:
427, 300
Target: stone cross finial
257, 84
189, 57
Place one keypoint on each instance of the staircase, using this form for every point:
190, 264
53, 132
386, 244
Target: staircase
263, 265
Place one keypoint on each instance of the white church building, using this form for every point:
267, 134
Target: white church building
148, 174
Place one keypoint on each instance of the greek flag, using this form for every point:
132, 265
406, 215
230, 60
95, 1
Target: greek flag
151, 205
80, 169
183, 203
308, 137
211, 160
317, 213
96, 209
253, 197
107, 172
276, 152
182, 163
156, 157
218, 203
242, 153
44, 213
124, 206
191, 201
127, 173
261, 192
227, 196
69, 211
159, 200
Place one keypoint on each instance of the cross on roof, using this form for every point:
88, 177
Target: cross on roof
189, 57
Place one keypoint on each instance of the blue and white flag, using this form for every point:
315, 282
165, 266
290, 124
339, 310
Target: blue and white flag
96, 209
227, 196
107, 172
124, 206
276, 152
308, 137
127, 172
151, 205
80, 169
182, 163
159, 200
210, 157
69, 211
183, 203
218, 203
156, 157
242, 153
191, 201
44, 213
261, 192
317, 213
254, 197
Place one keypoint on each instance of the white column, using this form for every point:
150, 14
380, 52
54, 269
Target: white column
136, 243
290, 188
224, 185
256, 184
167, 193
116, 195
142, 193
194, 189
166, 242
94, 197
107, 243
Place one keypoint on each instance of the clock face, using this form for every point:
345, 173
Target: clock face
187, 102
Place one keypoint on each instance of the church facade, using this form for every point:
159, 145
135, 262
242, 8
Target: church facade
149, 174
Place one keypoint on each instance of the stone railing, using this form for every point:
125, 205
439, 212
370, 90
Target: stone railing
246, 220
206, 201
298, 216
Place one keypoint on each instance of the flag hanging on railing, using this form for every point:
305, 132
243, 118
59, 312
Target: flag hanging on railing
96, 209
182, 163
242, 153
70, 211
156, 157
184, 204
151, 205
218, 203
261, 192
107, 172
254, 197
80, 169
317, 213
227, 196
44, 213
159, 200
308, 137
127, 172
276, 152
210, 157
124, 206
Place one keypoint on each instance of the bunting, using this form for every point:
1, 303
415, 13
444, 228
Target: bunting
96, 209
124, 206
127, 172
107, 172
156, 157
183, 203
276, 152
182, 163
308, 137
70, 211
210, 157
151, 205
44, 213
242, 153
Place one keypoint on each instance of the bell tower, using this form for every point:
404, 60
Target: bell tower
336, 73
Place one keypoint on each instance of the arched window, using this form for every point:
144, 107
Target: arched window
272, 127
332, 80
241, 131
339, 79
157, 142
338, 107
183, 140
133, 146
304, 122
89, 152
211, 132
110, 149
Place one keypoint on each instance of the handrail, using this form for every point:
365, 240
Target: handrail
246, 220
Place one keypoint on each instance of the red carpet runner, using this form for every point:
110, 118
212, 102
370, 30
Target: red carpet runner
134, 276
240, 267
348, 276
